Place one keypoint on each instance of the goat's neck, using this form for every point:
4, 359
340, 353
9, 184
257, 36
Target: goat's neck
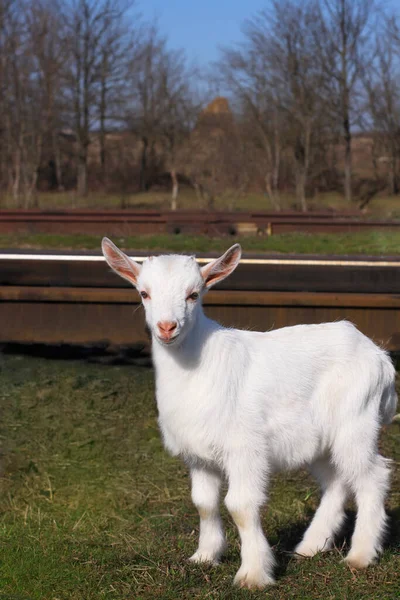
190, 353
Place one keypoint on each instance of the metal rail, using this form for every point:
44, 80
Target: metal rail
134, 222
60, 298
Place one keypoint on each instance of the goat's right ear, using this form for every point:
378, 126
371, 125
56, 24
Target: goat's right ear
120, 263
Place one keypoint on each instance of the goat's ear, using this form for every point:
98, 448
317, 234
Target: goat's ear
221, 267
120, 262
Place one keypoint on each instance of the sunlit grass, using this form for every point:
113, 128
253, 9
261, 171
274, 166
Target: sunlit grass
368, 242
91, 506
380, 206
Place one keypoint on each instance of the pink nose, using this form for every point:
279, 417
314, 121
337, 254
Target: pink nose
166, 328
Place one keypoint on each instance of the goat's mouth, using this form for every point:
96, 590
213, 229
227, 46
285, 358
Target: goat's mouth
167, 341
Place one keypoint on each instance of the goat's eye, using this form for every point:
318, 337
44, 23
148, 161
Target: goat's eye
144, 295
193, 296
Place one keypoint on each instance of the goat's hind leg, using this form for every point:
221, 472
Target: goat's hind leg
370, 489
367, 473
329, 517
206, 486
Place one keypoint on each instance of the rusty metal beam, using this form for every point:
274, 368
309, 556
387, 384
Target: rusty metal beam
78, 300
135, 222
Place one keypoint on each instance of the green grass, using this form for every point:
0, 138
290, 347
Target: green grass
161, 200
371, 242
91, 507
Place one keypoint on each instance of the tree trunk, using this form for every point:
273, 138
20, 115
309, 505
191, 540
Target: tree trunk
271, 192
347, 161
57, 161
271, 178
103, 126
175, 190
301, 152
143, 165
103, 152
276, 164
82, 173
16, 188
300, 188
393, 183
199, 192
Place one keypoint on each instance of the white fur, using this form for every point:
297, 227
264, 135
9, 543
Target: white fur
242, 405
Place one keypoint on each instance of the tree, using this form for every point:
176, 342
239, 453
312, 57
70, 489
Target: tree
117, 46
383, 100
163, 107
93, 33
48, 53
276, 79
245, 73
343, 34
22, 101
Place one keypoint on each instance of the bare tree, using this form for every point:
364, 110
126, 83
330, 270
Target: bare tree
343, 36
217, 155
383, 88
283, 37
163, 107
117, 46
93, 34
48, 53
146, 96
89, 94
245, 73
22, 102
179, 114
277, 81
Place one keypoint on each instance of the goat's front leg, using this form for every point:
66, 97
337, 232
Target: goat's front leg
244, 499
206, 486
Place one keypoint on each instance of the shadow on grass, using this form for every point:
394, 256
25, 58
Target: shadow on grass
289, 537
393, 533
392, 537
101, 353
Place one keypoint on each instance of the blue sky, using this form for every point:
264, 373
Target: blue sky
200, 26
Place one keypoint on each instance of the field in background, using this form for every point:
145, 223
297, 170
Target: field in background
368, 242
381, 206
91, 507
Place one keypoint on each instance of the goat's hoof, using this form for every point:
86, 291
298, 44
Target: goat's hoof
304, 550
204, 557
253, 580
358, 560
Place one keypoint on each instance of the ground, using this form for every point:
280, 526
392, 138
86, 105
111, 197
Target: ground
381, 206
368, 242
91, 506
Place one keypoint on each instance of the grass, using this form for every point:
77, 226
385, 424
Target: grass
92, 508
382, 206
161, 200
369, 242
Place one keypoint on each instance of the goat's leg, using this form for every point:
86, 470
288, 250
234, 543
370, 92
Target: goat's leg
244, 499
330, 514
370, 490
206, 486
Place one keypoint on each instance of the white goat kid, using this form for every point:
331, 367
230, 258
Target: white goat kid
241, 405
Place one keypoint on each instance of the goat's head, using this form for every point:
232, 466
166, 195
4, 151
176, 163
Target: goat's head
171, 287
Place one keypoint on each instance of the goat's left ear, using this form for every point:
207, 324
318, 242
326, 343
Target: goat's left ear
221, 267
121, 263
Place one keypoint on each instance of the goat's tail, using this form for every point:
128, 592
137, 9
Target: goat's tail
388, 405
